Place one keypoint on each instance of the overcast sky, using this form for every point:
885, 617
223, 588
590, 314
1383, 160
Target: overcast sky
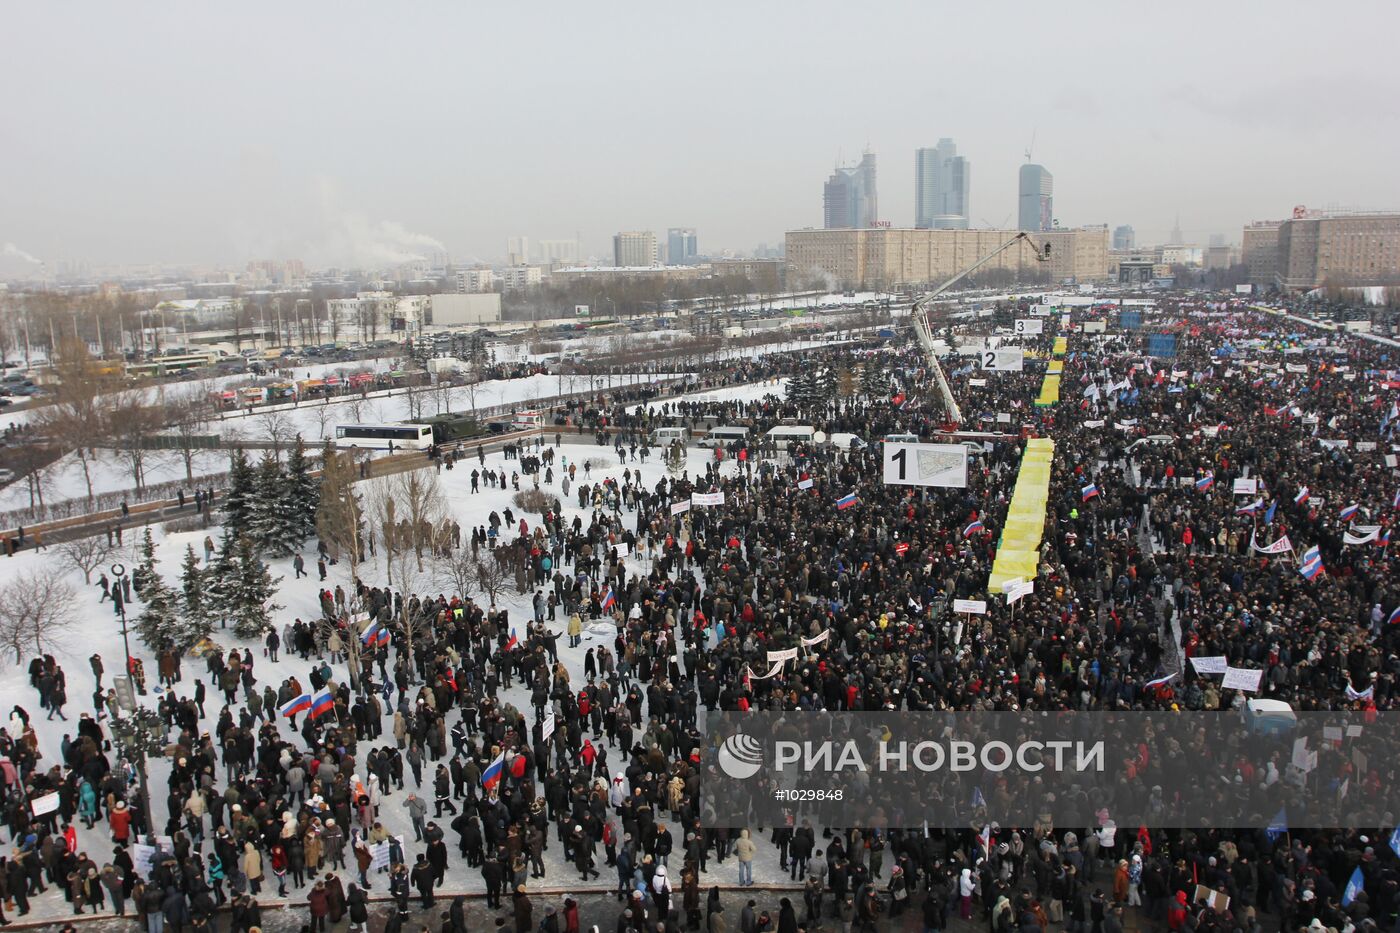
357, 132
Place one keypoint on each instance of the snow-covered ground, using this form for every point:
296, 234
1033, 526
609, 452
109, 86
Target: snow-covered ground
98, 631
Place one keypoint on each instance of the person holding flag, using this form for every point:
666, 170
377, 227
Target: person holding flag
322, 702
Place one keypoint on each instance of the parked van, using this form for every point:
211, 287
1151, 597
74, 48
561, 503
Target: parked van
664, 436
901, 438
785, 435
843, 441
723, 437
527, 419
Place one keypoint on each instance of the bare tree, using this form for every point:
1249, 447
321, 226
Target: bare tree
190, 422
492, 578
86, 554
278, 428
455, 571
36, 610
82, 396
132, 423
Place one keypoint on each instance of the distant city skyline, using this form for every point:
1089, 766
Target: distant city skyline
227, 165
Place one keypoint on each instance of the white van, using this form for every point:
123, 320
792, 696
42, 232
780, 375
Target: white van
785, 435
664, 436
723, 437
901, 438
527, 419
845, 441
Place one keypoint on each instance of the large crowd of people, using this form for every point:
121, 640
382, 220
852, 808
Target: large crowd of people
466, 725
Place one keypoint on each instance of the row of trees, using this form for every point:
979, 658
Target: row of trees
811, 387
235, 587
273, 506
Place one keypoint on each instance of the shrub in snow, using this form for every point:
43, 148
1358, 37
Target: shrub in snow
536, 500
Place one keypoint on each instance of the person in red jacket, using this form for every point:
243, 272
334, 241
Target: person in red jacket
1176, 913
320, 904
120, 821
279, 868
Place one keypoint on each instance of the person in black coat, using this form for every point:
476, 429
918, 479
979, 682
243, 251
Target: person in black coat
357, 904
423, 876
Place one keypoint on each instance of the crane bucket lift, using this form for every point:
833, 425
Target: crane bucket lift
923, 325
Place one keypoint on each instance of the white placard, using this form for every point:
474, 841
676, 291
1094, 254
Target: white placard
1007, 585
1003, 417
1003, 359
1365, 446
680, 508
707, 498
1246, 487
48, 803
623, 549
1029, 325
816, 639
1332, 733
1353, 731
547, 727
1019, 592
976, 607
925, 465
787, 654
1240, 678
1210, 664
977, 383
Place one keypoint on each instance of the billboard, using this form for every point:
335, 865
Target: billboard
942, 465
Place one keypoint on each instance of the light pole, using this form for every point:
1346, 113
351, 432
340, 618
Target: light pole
119, 573
143, 730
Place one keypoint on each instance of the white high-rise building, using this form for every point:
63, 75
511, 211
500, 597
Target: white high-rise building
634, 249
942, 188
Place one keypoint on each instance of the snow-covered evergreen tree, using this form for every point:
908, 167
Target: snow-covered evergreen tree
198, 622
301, 494
238, 501
250, 599
159, 622
269, 519
825, 385
220, 577
874, 381
146, 570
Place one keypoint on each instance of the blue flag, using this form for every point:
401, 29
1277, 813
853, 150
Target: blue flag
1269, 515
1355, 886
1395, 841
1278, 825
977, 799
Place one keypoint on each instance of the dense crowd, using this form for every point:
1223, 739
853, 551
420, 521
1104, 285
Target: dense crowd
603, 761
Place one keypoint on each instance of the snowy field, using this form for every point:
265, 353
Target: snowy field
99, 631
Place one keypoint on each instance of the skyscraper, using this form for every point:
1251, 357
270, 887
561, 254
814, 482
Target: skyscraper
942, 187
849, 198
1037, 203
517, 250
681, 246
1124, 237
634, 249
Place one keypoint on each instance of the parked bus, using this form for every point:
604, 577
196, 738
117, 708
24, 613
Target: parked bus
384, 436
786, 435
172, 364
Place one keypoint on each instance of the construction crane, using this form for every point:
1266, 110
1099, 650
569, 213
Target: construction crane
923, 326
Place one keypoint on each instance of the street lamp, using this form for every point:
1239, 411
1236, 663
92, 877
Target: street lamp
119, 573
140, 733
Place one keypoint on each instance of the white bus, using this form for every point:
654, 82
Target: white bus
722, 436
785, 435
384, 436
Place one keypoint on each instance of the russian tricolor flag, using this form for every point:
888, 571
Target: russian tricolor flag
609, 600
1301, 497
973, 528
1205, 482
322, 703
513, 643
1159, 681
492, 775
1089, 492
295, 705
375, 635
846, 501
1312, 563
1384, 539
1394, 616
1254, 506
1349, 512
